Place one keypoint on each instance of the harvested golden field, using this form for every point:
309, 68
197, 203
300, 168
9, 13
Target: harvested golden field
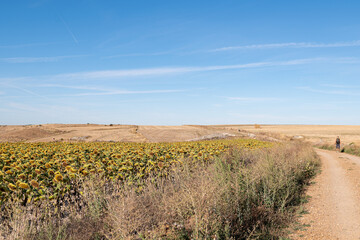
34, 171
317, 134
95, 132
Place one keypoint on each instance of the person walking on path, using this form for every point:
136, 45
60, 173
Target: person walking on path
337, 142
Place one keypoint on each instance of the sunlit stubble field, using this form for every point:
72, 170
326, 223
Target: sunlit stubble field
316, 134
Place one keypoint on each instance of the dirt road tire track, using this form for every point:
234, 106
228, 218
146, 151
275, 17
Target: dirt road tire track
334, 206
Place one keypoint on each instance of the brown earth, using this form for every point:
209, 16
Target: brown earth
317, 134
118, 133
334, 206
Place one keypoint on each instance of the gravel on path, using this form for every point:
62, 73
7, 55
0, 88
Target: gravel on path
334, 206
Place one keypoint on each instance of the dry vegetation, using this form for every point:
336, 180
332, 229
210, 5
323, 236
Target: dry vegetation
316, 134
351, 148
112, 132
38, 171
242, 194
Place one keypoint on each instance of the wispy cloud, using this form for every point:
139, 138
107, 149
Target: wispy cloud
246, 47
178, 51
99, 91
140, 72
253, 99
4, 110
259, 118
74, 87
289, 45
44, 109
339, 86
24, 107
29, 45
177, 70
23, 90
9, 81
69, 30
37, 59
139, 54
126, 92
330, 92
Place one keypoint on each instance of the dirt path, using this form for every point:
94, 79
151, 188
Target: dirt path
334, 206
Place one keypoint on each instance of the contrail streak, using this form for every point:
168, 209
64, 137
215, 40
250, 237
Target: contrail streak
69, 30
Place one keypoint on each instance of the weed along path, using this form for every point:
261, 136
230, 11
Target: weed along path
333, 211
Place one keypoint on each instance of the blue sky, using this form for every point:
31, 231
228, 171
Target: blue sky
180, 62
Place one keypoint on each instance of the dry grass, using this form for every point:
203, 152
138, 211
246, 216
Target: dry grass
351, 148
121, 133
242, 195
316, 134
73, 217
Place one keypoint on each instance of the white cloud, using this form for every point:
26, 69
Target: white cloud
330, 92
139, 54
69, 30
289, 45
29, 45
24, 107
37, 59
95, 88
339, 86
122, 73
176, 70
253, 99
125, 92
103, 91
24, 90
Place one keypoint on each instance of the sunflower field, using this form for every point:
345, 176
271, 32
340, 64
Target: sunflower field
37, 171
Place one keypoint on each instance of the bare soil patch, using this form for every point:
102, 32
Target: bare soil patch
317, 134
334, 206
27, 133
118, 133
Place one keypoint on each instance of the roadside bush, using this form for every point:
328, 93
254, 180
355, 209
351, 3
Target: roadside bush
352, 149
243, 194
327, 146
